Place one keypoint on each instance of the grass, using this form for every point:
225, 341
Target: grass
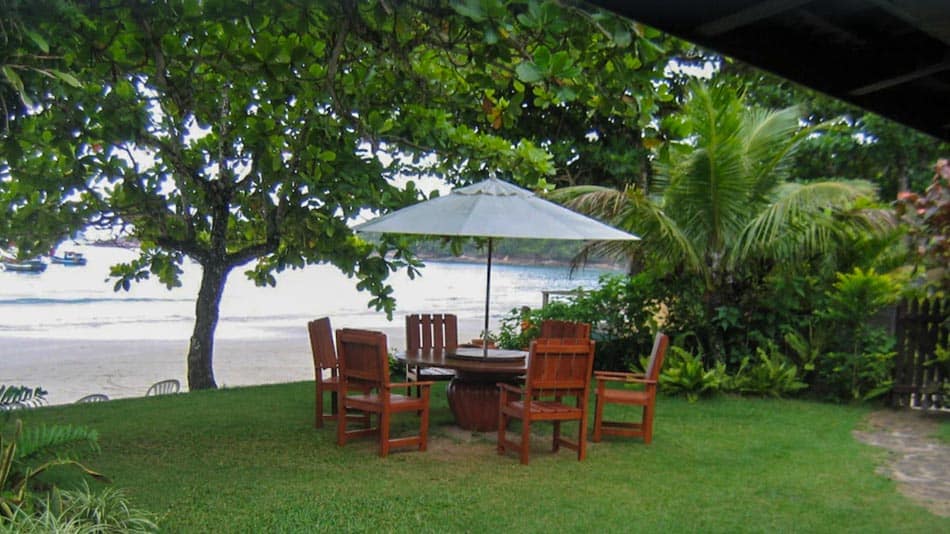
249, 460
943, 431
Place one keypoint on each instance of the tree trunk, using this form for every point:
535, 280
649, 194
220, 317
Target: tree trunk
201, 350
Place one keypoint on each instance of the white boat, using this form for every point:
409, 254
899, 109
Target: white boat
24, 266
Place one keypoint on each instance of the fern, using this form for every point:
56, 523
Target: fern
772, 375
684, 373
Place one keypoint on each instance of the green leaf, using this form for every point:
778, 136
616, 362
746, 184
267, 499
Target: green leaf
471, 9
66, 77
622, 37
528, 72
39, 40
13, 78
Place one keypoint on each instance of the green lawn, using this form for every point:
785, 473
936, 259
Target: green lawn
248, 459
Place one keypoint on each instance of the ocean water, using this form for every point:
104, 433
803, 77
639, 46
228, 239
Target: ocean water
78, 302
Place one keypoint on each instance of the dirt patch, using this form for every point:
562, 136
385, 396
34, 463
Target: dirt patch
919, 463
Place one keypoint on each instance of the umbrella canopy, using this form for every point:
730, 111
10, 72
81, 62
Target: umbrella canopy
493, 209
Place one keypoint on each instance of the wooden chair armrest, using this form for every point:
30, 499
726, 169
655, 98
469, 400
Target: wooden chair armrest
642, 381
616, 375
510, 387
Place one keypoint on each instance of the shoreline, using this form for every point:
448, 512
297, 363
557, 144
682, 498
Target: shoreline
72, 368
464, 258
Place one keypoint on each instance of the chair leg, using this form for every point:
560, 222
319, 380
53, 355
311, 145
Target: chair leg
598, 418
556, 445
318, 406
582, 437
502, 423
384, 433
525, 439
341, 425
424, 424
648, 423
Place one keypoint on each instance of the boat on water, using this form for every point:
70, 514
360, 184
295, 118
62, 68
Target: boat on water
24, 266
69, 258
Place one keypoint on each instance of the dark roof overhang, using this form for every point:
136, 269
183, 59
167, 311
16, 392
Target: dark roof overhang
891, 57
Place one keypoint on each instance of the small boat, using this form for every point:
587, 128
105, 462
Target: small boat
69, 258
25, 266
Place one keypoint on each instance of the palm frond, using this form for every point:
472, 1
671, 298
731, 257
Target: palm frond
39, 440
804, 219
708, 193
770, 137
632, 211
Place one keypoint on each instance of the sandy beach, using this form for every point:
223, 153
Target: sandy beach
72, 368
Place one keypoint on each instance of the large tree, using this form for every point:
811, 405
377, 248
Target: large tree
232, 132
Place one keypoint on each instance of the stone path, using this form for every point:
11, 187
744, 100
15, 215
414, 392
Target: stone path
919, 463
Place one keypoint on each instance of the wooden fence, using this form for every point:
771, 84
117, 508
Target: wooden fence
920, 327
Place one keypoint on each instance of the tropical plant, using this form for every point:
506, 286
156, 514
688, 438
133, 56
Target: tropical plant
108, 510
770, 375
82, 511
859, 359
684, 373
860, 145
22, 459
623, 312
724, 209
928, 218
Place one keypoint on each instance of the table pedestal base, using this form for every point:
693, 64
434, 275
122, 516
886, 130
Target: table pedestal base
474, 401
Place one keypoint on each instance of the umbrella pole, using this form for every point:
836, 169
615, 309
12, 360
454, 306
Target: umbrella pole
487, 297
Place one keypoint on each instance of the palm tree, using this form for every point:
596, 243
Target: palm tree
723, 207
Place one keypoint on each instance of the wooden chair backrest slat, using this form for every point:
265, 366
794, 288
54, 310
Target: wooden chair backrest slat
560, 366
551, 328
660, 343
431, 331
363, 357
321, 344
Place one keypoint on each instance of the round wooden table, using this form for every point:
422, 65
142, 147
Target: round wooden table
472, 393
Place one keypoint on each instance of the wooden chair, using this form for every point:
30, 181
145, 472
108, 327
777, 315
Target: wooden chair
325, 362
95, 397
164, 387
364, 364
552, 328
430, 331
557, 368
645, 398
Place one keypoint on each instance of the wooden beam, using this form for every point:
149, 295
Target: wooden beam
900, 79
755, 12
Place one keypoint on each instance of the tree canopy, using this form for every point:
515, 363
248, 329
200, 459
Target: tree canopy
249, 133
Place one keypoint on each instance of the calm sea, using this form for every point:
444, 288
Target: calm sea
79, 303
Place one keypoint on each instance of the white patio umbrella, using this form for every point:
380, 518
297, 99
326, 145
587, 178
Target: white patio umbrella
493, 209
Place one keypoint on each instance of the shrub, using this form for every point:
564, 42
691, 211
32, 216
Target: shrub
683, 373
858, 363
771, 375
82, 511
622, 311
